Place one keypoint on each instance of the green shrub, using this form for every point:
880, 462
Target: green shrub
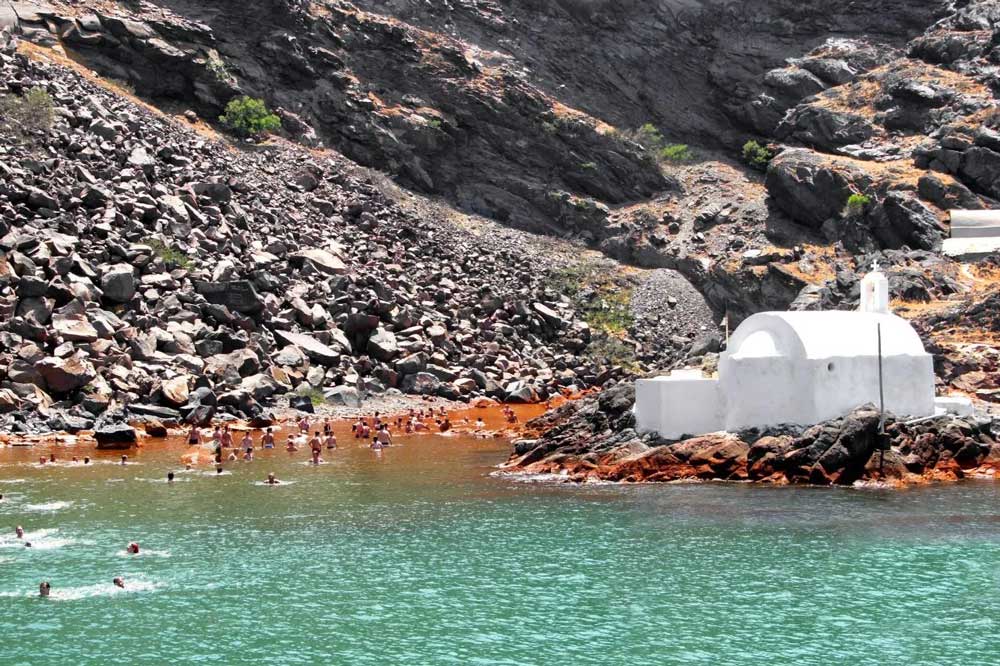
247, 116
34, 112
218, 69
856, 204
315, 395
656, 147
756, 155
675, 152
608, 350
169, 255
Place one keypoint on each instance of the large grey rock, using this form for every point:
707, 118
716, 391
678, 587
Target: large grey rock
74, 328
347, 396
313, 348
382, 345
117, 436
422, 383
324, 261
238, 295
118, 283
62, 375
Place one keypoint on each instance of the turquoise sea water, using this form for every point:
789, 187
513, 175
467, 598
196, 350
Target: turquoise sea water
420, 557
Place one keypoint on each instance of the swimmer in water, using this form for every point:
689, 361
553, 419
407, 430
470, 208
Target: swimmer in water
170, 477
383, 435
194, 436
124, 459
304, 425
187, 467
44, 588
268, 440
42, 460
218, 470
271, 481
132, 548
52, 457
19, 531
227, 437
480, 424
119, 582
315, 457
315, 443
290, 446
248, 455
331, 441
247, 441
86, 460
445, 425
75, 459
376, 445
232, 456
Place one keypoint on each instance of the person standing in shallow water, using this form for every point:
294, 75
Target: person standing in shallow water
44, 588
194, 436
267, 441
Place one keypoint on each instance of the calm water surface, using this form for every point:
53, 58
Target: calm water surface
418, 556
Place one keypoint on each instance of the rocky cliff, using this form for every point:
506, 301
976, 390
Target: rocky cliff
519, 111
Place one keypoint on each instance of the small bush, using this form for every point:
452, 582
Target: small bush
675, 152
169, 255
315, 396
756, 155
656, 147
218, 69
34, 112
608, 350
856, 204
247, 116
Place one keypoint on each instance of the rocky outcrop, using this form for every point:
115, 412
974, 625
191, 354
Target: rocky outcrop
593, 439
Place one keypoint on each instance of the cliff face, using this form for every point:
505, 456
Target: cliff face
685, 65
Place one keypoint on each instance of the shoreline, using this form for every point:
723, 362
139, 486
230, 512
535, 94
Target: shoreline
594, 439
285, 417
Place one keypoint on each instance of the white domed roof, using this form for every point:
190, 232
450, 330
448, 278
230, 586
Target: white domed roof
824, 334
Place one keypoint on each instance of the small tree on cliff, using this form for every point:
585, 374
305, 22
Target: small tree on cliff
247, 116
856, 204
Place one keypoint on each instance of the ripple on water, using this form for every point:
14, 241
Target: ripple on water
143, 552
39, 540
103, 590
48, 506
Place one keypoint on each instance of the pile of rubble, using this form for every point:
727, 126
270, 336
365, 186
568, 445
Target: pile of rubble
145, 267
